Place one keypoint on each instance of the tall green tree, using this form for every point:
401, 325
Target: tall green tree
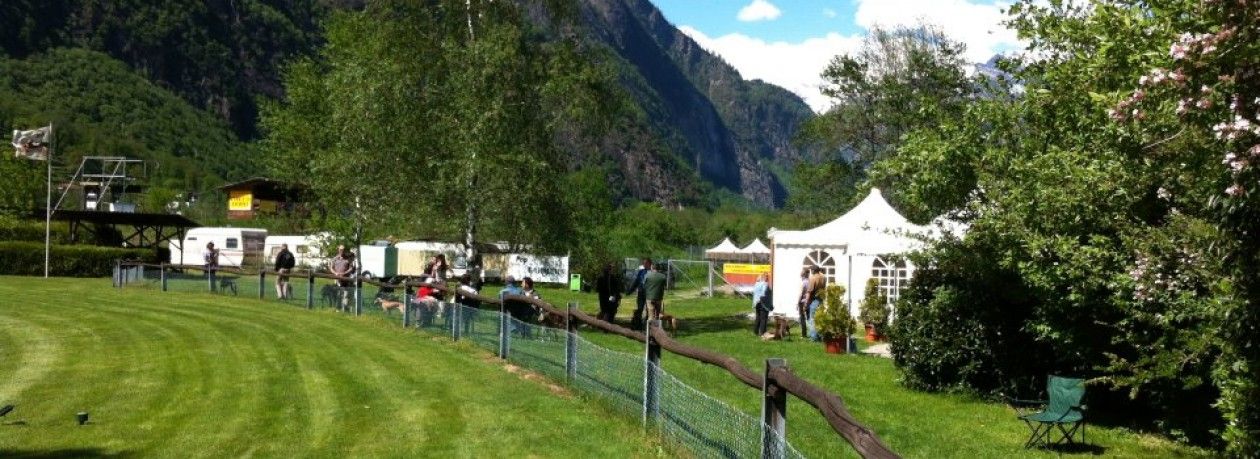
438, 115
1105, 234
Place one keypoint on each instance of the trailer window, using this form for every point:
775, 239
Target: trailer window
232, 243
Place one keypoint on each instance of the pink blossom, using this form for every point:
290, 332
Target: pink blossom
1144, 80
1234, 190
1204, 104
1183, 106
1255, 150
1139, 94
1178, 51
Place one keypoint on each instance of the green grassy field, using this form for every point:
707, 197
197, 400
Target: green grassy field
195, 375
912, 423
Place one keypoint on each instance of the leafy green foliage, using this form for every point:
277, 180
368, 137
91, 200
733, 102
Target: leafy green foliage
874, 308
832, 317
27, 259
1108, 248
99, 107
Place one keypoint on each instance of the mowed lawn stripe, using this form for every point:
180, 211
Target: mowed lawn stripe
202, 376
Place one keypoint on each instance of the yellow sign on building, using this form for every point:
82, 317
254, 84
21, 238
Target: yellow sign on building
240, 200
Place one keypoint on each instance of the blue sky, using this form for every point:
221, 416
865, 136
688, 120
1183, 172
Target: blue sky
790, 42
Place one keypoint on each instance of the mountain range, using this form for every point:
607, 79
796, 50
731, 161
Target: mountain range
701, 131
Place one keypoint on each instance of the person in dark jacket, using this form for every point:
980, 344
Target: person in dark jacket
608, 287
654, 286
284, 265
636, 321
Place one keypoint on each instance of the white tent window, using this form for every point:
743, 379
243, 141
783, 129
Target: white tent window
822, 260
892, 275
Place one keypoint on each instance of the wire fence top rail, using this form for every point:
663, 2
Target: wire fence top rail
831, 406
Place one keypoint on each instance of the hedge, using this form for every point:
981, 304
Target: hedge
27, 259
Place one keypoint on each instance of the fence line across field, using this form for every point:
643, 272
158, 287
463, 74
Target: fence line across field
633, 383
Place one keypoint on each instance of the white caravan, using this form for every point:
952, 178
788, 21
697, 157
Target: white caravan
309, 252
237, 246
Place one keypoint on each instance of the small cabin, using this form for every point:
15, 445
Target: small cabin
262, 196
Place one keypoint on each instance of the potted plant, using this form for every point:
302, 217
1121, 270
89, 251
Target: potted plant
874, 311
833, 321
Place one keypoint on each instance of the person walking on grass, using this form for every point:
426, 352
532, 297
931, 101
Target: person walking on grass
636, 321
759, 300
608, 287
654, 290
802, 302
211, 261
284, 265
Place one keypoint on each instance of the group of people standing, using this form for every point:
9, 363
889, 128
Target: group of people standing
813, 284
648, 285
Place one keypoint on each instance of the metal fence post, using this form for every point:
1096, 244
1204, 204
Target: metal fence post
117, 274
449, 310
570, 344
358, 296
262, 283
458, 310
504, 322
651, 391
773, 413
163, 277
310, 290
406, 308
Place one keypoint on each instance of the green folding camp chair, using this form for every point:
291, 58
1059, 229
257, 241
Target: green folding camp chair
1063, 411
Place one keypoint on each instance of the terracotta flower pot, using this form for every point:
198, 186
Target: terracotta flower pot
871, 334
836, 345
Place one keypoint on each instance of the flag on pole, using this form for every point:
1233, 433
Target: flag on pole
32, 144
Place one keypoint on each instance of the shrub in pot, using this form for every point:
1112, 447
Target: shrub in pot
874, 311
833, 321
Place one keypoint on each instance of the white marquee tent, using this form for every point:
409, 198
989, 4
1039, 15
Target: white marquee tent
756, 247
860, 245
724, 250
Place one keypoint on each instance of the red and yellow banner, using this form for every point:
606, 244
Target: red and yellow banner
743, 274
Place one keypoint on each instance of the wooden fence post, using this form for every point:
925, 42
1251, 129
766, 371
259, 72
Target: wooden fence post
310, 290
458, 310
504, 323
262, 283
773, 413
651, 369
570, 344
163, 277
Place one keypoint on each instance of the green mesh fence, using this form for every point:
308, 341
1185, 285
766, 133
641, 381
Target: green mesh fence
684, 416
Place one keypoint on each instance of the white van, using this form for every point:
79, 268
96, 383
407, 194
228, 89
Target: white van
309, 252
237, 246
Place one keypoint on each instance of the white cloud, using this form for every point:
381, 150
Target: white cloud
796, 67
977, 25
830, 13
759, 10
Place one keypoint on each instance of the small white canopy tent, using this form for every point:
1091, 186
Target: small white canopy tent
723, 251
755, 252
860, 245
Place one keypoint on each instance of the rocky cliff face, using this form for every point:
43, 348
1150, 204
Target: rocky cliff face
728, 129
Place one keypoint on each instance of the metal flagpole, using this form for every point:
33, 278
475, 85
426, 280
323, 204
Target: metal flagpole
48, 200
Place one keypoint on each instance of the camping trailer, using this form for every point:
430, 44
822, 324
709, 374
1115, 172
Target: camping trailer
309, 251
237, 246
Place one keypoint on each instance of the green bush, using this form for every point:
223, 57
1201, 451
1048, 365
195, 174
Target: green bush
832, 318
875, 306
27, 259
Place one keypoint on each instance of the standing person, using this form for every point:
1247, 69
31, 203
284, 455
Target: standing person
802, 302
464, 298
636, 321
342, 266
527, 289
654, 288
608, 287
211, 259
758, 297
517, 309
436, 270
817, 284
284, 265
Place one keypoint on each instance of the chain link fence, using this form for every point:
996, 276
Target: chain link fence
630, 383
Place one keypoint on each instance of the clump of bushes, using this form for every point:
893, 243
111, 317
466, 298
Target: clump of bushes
27, 259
